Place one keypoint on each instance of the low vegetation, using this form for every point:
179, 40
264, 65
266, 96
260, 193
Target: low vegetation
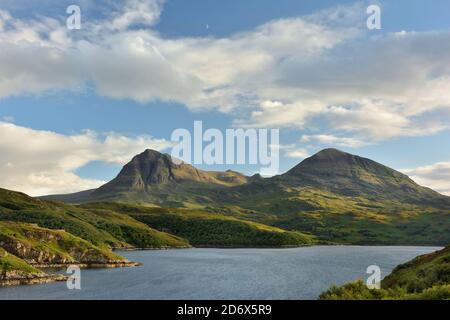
426, 277
203, 228
103, 228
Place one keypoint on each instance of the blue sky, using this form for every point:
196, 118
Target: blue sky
228, 63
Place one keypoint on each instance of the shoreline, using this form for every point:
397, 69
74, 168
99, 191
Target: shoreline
38, 279
47, 278
93, 265
275, 247
115, 249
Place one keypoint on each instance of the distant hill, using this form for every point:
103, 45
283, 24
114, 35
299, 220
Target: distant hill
336, 196
103, 228
350, 175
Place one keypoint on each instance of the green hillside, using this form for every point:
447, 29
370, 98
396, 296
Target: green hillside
203, 228
41, 246
425, 277
9, 263
347, 219
25, 247
103, 228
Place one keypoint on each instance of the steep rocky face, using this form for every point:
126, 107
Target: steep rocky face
147, 168
15, 271
152, 169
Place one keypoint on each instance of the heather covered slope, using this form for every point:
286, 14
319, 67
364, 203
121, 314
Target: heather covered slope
42, 246
117, 225
24, 247
208, 229
103, 228
425, 277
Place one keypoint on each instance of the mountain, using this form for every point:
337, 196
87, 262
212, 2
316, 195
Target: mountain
335, 196
350, 175
152, 168
153, 177
426, 277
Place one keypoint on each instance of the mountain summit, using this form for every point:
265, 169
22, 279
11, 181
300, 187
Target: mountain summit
333, 162
148, 168
351, 175
152, 173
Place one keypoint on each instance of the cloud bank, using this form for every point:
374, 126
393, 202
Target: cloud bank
43, 162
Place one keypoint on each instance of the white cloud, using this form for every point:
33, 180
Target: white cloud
372, 88
200, 72
333, 140
284, 73
138, 12
278, 114
291, 150
298, 153
435, 176
44, 162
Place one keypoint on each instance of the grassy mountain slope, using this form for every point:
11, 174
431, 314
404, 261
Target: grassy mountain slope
10, 265
203, 228
126, 226
23, 247
41, 246
100, 227
348, 220
425, 277
350, 175
14, 271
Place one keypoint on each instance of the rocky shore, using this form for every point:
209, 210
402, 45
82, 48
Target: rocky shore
26, 249
14, 279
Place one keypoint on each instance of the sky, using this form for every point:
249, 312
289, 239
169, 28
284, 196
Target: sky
76, 105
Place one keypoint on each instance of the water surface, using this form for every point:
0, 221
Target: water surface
298, 273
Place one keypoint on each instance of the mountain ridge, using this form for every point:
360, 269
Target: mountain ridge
152, 177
